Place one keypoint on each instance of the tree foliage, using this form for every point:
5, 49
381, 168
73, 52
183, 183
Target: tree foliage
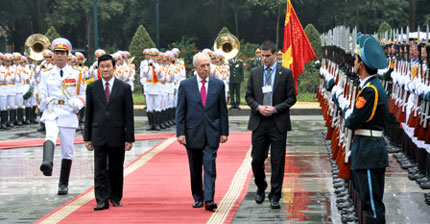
384, 27
308, 81
52, 33
140, 41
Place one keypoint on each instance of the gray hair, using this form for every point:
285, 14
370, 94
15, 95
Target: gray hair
199, 55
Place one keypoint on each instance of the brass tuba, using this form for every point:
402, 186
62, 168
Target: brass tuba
35, 45
228, 45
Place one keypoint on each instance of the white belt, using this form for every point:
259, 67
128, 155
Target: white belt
367, 132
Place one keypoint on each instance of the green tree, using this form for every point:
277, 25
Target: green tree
384, 27
276, 7
52, 34
140, 41
308, 81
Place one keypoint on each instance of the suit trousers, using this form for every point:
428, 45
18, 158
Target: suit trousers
369, 185
265, 136
197, 158
108, 173
235, 91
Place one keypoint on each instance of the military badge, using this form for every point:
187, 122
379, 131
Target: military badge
360, 102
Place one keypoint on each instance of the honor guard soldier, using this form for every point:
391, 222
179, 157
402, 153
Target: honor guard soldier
86, 74
279, 58
367, 118
94, 72
46, 64
236, 78
62, 90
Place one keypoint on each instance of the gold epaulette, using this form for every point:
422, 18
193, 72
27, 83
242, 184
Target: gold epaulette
47, 69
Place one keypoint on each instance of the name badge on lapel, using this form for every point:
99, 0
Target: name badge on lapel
267, 89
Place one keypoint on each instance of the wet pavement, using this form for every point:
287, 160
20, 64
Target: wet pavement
26, 195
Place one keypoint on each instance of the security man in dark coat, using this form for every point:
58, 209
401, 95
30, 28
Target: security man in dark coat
369, 157
236, 78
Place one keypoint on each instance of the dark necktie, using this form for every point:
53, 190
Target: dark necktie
107, 92
268, 78
203, 92
61, 73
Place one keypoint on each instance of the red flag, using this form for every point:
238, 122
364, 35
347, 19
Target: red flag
297, 50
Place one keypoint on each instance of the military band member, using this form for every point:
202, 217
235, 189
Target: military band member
1, 59
19, 84
4, 88
236, 79
29, 101
224, 70
150, 73
94, 73
62, 90
11, 78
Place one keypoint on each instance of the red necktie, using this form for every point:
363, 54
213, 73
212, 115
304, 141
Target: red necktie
203, 93
107, 92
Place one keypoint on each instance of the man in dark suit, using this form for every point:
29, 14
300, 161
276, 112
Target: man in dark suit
270, 94
202, 123
109, 130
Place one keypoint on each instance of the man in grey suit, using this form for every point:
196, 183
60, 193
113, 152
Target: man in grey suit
202, 123
270, 94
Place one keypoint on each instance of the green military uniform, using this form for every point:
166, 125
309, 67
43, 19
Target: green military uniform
369, 156
254, 63
236, 78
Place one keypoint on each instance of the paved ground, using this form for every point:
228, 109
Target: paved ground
26, 195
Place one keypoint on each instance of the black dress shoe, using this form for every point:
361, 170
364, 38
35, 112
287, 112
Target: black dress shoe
425, 185
259, 197
116, 204
210, 206
274, 204
101, 206
197, 204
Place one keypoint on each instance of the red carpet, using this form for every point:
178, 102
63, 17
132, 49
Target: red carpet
157, 188
38, 142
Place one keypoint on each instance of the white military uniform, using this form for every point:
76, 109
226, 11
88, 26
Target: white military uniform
11, 78
3, 88
63, 98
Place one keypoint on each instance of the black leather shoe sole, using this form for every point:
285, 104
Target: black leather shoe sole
116, 204
101, 206
210, 206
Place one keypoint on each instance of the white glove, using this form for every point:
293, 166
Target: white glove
348, 113
77, 103
49, 103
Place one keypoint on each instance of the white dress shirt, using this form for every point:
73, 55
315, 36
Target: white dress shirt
199, 82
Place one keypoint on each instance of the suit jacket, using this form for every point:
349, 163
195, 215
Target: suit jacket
284, 97
112, 123
201, 124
